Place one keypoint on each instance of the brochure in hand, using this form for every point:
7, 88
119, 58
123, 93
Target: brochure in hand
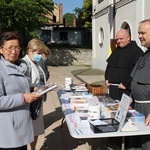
35, 106
46, 88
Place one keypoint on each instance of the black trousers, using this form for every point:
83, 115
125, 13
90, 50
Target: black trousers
17, 148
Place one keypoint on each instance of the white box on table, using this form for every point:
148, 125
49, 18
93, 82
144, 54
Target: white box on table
94, 110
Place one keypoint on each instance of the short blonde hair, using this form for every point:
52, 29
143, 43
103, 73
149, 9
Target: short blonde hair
36, 45
47, 51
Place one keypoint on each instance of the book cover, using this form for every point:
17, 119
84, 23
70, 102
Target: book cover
46, 88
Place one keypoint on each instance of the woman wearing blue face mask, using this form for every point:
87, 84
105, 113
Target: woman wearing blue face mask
37, 57
35, 50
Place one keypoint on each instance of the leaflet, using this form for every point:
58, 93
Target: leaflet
114, 84
46, 88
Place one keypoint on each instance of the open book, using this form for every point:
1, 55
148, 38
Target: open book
45, 88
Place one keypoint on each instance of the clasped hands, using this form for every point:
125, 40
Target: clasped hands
121, 86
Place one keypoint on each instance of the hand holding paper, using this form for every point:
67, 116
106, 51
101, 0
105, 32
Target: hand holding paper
46, 88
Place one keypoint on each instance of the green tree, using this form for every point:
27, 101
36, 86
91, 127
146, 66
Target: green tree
24, 16
79, 14
69, 19
87, 13
84, 14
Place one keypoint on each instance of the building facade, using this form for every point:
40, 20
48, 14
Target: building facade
108, 17
55, 31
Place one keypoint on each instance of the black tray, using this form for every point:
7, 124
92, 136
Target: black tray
111, 126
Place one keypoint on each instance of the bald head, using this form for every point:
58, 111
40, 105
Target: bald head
144, 33
123, 38
145, 21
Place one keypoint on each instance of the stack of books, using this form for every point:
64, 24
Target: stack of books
79, 88
79, 104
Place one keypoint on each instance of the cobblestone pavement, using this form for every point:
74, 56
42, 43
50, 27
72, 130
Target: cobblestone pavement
57, 138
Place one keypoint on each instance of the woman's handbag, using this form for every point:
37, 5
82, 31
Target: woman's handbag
35, 108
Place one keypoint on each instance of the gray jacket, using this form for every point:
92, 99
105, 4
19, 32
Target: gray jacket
16, 127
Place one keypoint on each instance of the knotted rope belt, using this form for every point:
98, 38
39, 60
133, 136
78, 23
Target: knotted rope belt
142, 102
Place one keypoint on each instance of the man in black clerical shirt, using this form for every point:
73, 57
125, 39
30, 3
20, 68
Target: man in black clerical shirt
120, 64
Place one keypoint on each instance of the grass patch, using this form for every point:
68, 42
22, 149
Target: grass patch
87, 71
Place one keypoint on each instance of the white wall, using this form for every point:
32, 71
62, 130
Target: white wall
132, 13
104, 21
127, 13
100, 54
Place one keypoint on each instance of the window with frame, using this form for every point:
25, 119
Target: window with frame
101, 37
63, 36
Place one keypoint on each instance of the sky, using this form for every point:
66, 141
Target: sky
69, 5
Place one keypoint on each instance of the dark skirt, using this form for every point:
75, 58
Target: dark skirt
17, 148
116, 93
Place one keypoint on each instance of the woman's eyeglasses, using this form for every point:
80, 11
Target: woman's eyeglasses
10, 49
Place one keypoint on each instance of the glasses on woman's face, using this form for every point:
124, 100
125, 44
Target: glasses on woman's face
11, 48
